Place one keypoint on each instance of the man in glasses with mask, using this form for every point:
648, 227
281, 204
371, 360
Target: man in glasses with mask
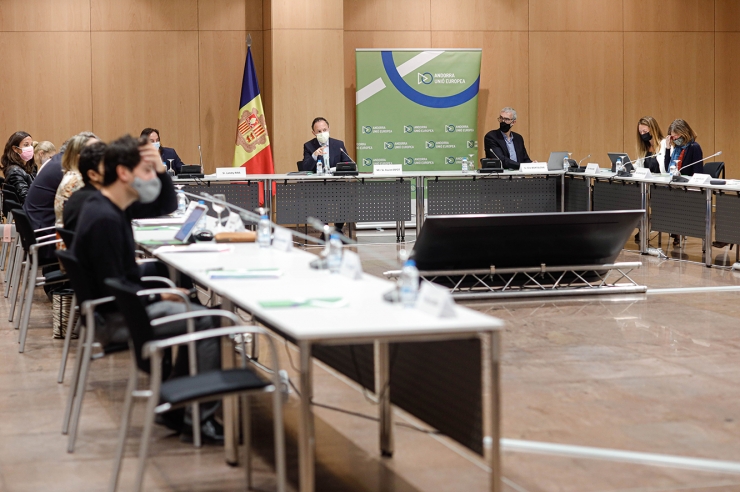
504, 144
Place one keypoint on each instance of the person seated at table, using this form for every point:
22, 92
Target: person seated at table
43, 152
651, 145
17, 163
504, 144
323, 146
682, 148
104, 247
90, 167
72, 179
166, 153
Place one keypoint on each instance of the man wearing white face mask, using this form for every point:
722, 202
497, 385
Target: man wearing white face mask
322, 147
167, 154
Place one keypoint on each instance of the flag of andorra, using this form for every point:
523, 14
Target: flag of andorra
252, 149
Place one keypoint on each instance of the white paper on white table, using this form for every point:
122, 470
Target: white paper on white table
533, 167
642, 173
208, 247
351, 266
435, 300
282, 240
700, 179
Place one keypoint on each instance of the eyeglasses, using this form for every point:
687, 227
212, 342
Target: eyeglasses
505, 120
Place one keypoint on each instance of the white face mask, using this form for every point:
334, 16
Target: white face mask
156, 145
323, 137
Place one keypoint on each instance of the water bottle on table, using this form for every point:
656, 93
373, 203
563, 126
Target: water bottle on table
566, 164
182, 203
619, 166
202, 224
409, 284
334, 259
673, 169
464, 165
263, 229
320, 166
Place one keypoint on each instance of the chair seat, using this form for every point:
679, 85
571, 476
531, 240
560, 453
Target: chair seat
200, 386
55, 276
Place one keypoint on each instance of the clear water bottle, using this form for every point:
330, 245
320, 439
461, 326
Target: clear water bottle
263, 230
409, 284
465, 165
182, 203
334, 258
619, 166
673, 169
320, 166
566, 164
202, 224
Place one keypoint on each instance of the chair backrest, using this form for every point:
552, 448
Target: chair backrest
24, 228
300, 165
134, 312
715, 169
66, 235
76, 276
9, 205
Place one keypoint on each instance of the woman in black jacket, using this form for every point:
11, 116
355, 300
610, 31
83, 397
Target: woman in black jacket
17, 163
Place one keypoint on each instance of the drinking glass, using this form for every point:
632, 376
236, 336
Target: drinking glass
171, 169
219, 208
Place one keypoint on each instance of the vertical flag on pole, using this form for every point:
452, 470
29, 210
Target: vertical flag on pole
252, 149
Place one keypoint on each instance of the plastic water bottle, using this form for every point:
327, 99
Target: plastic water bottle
465, 165
202, 224
263, 231
182, 203
673, 170
566, 164
409, 284
320, 166
334, 259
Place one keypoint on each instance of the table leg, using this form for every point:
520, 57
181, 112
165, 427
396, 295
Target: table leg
562, 192
306, 437
268, 198
590, 190
708, 230
230, 403
419, 204
383, 391
403, 230
644, 222
495, 411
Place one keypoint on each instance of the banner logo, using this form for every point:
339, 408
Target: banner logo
388, 145
408, 129
430, 144
425, 78
449, 128
408, 161
367, 161
449, 160
367, 129
472, 144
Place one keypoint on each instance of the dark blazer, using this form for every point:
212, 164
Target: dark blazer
40, 200
169, 153
693, 154
495, 140
335, 154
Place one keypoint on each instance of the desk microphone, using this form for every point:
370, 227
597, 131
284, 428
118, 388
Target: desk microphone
345, 153
681, 179
201, 158
497, 157
578, 166
579, 162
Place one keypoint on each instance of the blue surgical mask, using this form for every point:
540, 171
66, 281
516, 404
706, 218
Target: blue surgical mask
156, 145
148, 190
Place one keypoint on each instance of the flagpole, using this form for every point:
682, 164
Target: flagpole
249, 40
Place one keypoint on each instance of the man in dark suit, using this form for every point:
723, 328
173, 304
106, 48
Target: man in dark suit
166, 153
505, 144
322, 147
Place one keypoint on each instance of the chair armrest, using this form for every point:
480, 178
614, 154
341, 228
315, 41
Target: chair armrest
166, 290
47, 237
35, 247
45, 229
159, 345
89, 306
163, 280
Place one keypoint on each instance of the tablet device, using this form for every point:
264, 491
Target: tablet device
613, 156
186, 230
555, 162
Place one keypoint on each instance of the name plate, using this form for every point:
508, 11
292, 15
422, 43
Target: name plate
642, 173
592, 168
435, 300
231, 172
234, 223
282, 239
699, 179
387, 169
351, 266
533, 167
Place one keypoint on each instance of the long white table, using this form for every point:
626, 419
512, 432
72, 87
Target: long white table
365, 318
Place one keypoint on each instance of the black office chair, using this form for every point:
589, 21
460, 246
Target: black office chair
715, 169
299, 164
164, 396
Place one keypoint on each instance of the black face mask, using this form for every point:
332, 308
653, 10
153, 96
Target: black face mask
646, 137
504, 127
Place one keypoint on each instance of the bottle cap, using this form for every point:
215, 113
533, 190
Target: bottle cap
411, 263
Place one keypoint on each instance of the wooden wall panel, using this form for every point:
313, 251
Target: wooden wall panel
306, 14
131, 92
382, 15
727, 15
503, 53
575, 94
370, 39
136, 15
52, 107
676, 15
674, 87
304, 86
727, 97
227, 15
43, 15
575, 15
479, 15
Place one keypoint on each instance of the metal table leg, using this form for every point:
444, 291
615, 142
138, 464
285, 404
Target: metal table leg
419, 204
268, 198
708, 230
403, 230
562, 192
494, 396
383, 390
231, 410
644, 223
306, 437
590, 190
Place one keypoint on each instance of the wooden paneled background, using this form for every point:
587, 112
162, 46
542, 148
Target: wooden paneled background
579, 72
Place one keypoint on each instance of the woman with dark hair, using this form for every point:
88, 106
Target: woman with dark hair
682, 149
18, 163
168, 154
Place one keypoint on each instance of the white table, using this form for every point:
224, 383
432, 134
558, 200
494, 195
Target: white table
372, 320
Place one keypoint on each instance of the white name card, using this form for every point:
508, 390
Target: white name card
435, 300
231, 172
234, 223
592, 168
282, 239
351, 266
642, 173
533, 167
387, 169
699, 179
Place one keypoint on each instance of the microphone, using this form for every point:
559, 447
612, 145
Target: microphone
497, 157
579, 162
345, 153
681, 179
577, 166
201, 158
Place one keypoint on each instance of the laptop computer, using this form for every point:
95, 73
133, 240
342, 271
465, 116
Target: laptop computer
555, 162
183, 234
613, 156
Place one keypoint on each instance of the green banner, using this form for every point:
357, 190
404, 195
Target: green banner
418, 108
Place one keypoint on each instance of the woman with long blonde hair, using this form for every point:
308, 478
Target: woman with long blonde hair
651, 145
72, 180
